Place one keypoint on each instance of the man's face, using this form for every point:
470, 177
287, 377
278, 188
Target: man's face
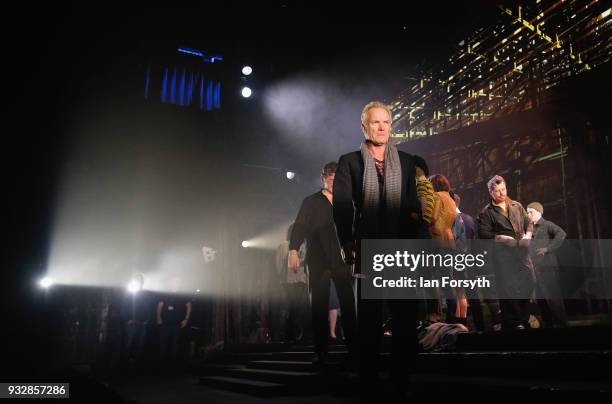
328, 181
378, 126
498, 193
533, 215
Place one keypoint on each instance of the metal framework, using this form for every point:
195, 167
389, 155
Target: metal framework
507, 67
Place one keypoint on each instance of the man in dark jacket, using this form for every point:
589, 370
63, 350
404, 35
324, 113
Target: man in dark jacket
547, 237
506, 222
375, 197
315, 225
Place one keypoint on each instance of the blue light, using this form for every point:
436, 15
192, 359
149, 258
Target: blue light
182, 88
218, 95
195, 52
191, 52
212, 59
209, 95
173, 88
147, 81
202, 93
164, 85
192, 79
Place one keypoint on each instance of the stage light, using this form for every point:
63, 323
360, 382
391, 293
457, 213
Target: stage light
197, 290
290, 175
245, 244
246, 70
45, 282
246, 92
133, 287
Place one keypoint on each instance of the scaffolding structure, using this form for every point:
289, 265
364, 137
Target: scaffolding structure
507, 67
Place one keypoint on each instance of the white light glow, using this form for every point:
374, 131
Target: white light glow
45, 282
133, 287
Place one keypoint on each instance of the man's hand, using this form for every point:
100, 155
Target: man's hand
524, 242
293, 260
506, 240
349, 253
184, 323
540, 252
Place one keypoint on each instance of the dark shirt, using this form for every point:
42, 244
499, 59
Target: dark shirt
380, 169
315, 224
174, 310
547, 235
492, 221
547, 230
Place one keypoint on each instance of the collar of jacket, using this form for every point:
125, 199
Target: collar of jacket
509, 202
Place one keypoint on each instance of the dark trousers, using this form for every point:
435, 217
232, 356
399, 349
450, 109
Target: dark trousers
514, 312
404, 336
550, 299
319, 283
514, 283
433, 307
171, 342
134, 338
298, 306
475, 309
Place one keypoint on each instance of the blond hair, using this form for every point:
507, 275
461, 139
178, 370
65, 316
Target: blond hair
374, 104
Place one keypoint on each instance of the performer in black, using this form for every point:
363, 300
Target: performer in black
315, 224
375, 197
